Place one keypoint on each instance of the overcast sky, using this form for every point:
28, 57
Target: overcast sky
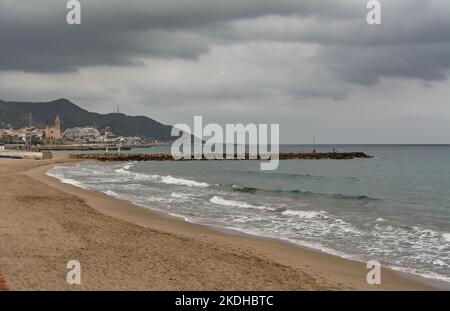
313, 66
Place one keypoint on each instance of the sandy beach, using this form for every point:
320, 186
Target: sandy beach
45, 223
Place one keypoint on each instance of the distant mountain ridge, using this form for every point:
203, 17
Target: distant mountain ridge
17, 115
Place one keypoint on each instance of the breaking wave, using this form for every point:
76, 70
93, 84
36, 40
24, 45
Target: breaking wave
68, 181
306, 214
224, 202
179, 181
170, 180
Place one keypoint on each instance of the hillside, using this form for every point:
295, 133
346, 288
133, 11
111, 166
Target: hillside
17, 115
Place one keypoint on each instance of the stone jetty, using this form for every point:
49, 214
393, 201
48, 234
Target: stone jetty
168, 156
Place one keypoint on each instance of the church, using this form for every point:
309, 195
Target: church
53, 133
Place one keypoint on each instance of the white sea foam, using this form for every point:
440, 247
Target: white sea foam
179, 195
424, 233
221, 201
418, 235
428, 274
73, 182
128, 166
439, 262
180, 181
68, 181
446, 236
321, 223
305, 214
124, 169
111, 193
170, 180
332, 251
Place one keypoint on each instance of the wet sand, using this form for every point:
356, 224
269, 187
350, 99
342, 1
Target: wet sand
45, 223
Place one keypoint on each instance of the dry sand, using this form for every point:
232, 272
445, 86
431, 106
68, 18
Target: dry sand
45, 223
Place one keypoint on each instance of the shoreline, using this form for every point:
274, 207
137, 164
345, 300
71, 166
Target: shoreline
308, 269
234, 232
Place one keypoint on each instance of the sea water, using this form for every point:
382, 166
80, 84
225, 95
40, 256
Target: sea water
394, 208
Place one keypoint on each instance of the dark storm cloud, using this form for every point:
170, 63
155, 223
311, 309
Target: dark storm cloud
366, 65
35, 37
412, 42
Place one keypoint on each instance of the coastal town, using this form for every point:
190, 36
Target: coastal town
32, 142
54, 135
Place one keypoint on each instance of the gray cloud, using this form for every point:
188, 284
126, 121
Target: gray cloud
114, 32
173, 58
412, 42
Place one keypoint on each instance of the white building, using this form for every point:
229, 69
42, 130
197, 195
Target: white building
82, 134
